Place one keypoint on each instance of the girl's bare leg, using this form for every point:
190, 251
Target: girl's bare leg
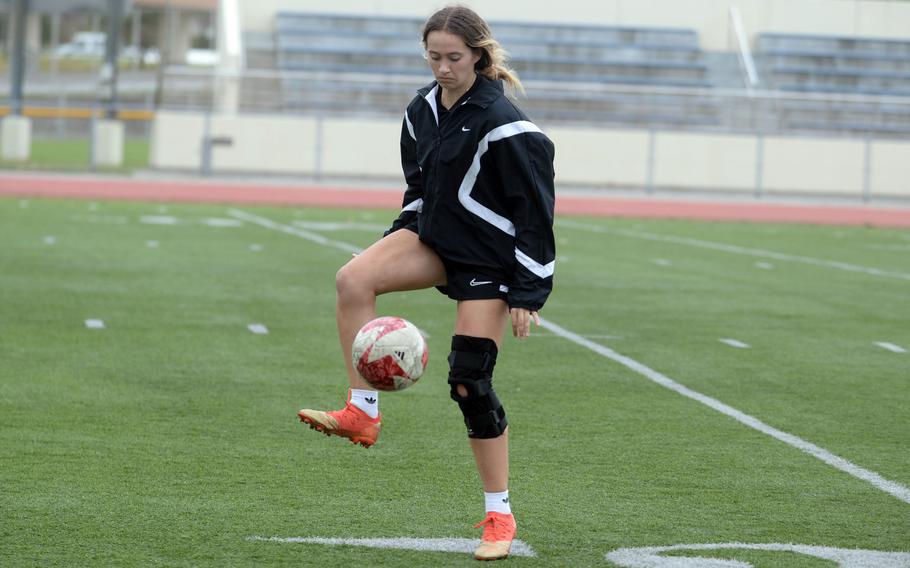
397, 262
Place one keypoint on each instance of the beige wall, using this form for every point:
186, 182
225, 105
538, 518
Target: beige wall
891, 168
600, 157
708, 161
361, 148
881, 18
584, 156
813, 165
274, 144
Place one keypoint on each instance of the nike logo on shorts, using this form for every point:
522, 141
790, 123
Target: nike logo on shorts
474, 282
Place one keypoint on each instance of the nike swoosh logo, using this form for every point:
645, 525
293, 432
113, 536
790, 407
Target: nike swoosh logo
463, 129
474, 282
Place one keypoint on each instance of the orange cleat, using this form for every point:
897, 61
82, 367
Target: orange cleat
498, 533
350, 422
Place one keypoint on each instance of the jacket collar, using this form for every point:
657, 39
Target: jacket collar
487, 92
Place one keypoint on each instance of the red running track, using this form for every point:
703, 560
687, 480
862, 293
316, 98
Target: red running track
84, 187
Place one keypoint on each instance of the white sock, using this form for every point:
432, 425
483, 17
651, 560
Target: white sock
498, 502
366, 400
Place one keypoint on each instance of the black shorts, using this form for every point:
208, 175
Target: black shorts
466, 282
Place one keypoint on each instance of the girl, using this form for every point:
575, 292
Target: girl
477, 223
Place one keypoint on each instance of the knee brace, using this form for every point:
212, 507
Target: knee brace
471, 365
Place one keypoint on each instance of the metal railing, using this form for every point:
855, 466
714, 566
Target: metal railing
753, 111
61, 104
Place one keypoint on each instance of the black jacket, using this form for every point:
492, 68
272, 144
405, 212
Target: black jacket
481, 186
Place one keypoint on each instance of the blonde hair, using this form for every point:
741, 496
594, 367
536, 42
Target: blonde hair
476, 34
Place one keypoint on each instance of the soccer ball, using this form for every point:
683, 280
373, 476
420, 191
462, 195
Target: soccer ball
389, 353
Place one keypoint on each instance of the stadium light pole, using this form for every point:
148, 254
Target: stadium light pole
17, 67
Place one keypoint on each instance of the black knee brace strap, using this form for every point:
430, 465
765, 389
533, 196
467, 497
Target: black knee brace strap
471, 365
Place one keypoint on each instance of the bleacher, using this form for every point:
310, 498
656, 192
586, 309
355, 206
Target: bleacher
388, 50
835, 64
644, 77
837, 67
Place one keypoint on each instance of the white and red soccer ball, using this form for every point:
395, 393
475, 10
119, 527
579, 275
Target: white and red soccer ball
389, 353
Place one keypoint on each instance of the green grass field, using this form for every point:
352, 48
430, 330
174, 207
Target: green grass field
169, 437
75, 155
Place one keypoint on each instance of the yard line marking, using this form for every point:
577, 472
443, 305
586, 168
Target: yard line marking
460, 545
304, 234
94, 324
898, 248
891, 487
340, 226
891, 347
588, 336
735, 343
216, 222
764, 265
158, 220
650, 556
734, 249
258, 329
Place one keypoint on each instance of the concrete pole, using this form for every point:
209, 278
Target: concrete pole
165, 36
17, 65
16, 129
110, 72
230, 57
107, 134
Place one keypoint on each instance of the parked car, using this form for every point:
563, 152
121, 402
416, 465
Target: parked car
89, 45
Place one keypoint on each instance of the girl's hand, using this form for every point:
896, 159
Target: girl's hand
521, 321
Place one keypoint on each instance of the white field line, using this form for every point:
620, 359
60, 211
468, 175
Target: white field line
94, 324
461, 545
893, 488
736, 249
588, 336
342, 226
651, 557
735, 343
258, 329
158, 220
303, 234
891, 347
216, 222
